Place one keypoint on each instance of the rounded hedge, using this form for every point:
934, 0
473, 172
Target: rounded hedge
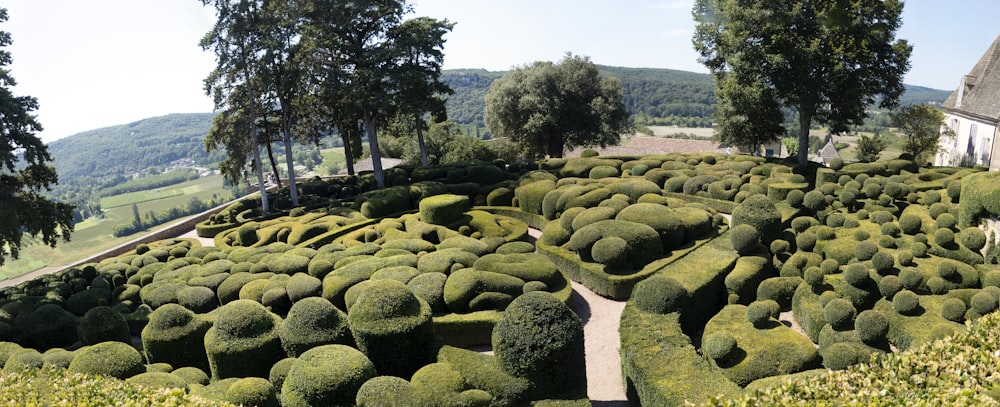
883, 262
659, 294
244, 341
540, 338
983, 303
889, 285
946, 220
906, 302
175, 335
856, 274
865, 249
872, 327
759, 313
382, 391
162, 380
744, 239
840, 314
393, 327
48, 326
102, 324
611, 251
910, 224
972, 238
313, 322
328, 375
953, 309
813, 276
759, 211
805, 242
252, 391
112, 359
720, 346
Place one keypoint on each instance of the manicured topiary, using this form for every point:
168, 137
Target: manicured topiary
540, 338
659, 294
944, 237
759, 211
872, 327
113, 359
911, 278
244, 341
972, 238
102, 324
805, 241
611, 251
23, 361
386, 391
906, 302
443, 209
603, 171
198, 299
814, 201
720, 346
835, 220
938, 209
983, 303
910, 224
48, 326
779, 289
57, 357
814, 276
759, 313
840, 314
328, 375
889, 285
856, 274
312, 322
191, 375
946, 220
883, 262
175, 335
644, 241
953, 309
430, 288
744, 239
865, 249
252, 391
393, 328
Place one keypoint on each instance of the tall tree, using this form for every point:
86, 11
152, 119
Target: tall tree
829, 60
360, 48
24, 172
233, 84
922, 125
549, 107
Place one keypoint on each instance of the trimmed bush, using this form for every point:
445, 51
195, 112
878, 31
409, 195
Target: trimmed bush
328, 375
112, 359
540, 338
443, 209
744, 239
175, 335
644, 242
983, 303
889, 285
759, 211
393, 328
972, 238
48, 326
252, 391
944, 237
759, 313
659, 294
244, 341
953, 309
191, 375
883, 262
313, 322
720, 346
197, 299
865, 250
872, 327
906, 303
779, 289
102, 324
840, 314
856, 274
23, 361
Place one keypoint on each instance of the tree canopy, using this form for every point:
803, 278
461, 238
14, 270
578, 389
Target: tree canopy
24, 172
548, 107
922, 126
828, 60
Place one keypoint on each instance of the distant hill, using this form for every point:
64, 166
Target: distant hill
134, 147
653, 95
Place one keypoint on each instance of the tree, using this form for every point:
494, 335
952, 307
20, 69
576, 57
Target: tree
24, 171
362, 48
234, 83
869, 148
549, 107
922, 125
829, 60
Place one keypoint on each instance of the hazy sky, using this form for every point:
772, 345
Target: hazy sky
99, 63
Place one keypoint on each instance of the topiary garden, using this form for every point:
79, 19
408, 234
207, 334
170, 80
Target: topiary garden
738, 272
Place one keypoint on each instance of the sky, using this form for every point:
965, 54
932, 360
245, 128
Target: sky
101, 63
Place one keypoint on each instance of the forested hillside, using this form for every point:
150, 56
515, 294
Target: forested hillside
653, 95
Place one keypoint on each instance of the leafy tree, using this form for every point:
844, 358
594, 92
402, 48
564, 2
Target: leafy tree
829, 60
869, 148
550, 107
922, 126
370, 59
24, 172
234, 83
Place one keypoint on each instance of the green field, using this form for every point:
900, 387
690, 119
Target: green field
94, 235
139, 197
333, 159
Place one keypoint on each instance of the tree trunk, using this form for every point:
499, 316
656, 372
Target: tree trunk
259, 169
420, 140
373, 145
805, 118
348, 157
274, 165
555, 147
292, 186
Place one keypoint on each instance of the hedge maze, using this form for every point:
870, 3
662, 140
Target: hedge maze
739, 273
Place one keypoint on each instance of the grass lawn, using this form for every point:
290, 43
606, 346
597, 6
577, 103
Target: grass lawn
333, 159
94, 235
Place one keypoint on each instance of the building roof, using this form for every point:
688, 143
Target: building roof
366, 164
979, 92
829, 151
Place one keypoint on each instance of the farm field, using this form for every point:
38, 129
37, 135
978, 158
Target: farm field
94, 235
